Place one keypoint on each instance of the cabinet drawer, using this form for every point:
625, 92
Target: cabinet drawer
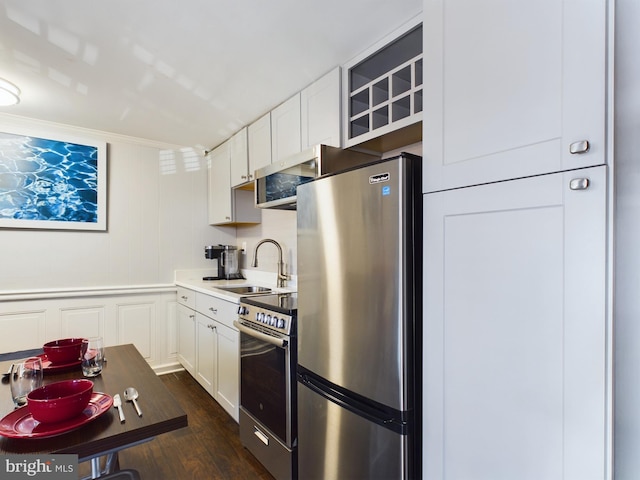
187, 297
221, 310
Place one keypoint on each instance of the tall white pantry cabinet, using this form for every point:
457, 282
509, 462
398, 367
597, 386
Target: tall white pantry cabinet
517, 324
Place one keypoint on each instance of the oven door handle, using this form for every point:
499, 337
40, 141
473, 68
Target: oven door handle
278, 342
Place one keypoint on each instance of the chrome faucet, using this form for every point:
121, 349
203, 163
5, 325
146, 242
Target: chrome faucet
282, 278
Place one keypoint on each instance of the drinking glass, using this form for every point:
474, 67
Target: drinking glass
25, 377
92, 356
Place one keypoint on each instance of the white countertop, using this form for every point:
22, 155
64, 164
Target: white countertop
192, 279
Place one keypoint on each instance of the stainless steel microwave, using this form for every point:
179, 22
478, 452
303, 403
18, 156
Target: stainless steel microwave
276, 184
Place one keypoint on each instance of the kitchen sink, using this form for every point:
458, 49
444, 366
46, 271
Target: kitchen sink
246, 290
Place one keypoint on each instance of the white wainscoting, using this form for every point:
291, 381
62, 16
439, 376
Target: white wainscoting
136, 323
83, 321
144, 316
19, 330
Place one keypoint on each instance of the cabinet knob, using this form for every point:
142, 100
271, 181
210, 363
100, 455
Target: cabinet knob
192, 316
579, 147
579, 184
227, 218
214, 310
184, 297
243, 177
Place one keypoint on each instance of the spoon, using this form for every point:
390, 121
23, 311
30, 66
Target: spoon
130, 395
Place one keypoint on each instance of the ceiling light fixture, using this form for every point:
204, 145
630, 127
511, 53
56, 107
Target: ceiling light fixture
9, 93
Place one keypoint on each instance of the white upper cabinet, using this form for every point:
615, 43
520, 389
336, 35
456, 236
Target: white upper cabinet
259, 133
227, 205
320, 111
309, 118
513, 90
239, 158
219, 185
285, 129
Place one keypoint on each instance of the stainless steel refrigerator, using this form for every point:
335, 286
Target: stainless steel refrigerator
359, 322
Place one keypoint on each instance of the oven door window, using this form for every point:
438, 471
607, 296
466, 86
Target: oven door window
263, 383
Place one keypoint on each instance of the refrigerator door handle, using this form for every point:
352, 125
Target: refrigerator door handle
379, 414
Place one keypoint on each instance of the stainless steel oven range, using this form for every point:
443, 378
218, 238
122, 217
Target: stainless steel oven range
268, 401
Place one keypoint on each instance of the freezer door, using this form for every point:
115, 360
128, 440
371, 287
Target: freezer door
334, 443
356, 280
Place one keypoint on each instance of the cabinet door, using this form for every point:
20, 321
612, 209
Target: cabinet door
320, 111
207, 353
259, 144
187, 338
238, 158
220, 208
228, 391
515, 330
285, 129
511, 88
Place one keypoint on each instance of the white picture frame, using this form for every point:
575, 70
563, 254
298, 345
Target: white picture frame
52, 181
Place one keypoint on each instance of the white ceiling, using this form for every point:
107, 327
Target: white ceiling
189, 72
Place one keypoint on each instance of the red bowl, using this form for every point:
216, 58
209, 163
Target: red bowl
59, 401
65, 351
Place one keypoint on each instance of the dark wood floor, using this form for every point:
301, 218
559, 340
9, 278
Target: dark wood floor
209, 448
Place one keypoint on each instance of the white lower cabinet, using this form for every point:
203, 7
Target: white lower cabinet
206, 348
209, 346
186, 320
517, 373
228, 356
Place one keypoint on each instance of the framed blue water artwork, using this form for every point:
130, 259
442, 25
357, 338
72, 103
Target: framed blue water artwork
52, 183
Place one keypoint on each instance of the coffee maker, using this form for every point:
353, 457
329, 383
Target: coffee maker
227, 256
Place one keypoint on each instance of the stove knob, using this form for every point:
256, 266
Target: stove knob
268, 320
274, 321
281, 324
242, 310
259, 316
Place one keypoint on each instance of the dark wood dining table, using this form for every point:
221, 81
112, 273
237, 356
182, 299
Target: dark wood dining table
105, 436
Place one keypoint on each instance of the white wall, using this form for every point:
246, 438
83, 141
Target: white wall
627, 245
157, 221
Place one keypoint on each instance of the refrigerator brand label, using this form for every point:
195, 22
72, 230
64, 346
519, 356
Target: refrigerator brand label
381, 177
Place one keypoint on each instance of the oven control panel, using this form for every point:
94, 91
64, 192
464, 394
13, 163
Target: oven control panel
263, 317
